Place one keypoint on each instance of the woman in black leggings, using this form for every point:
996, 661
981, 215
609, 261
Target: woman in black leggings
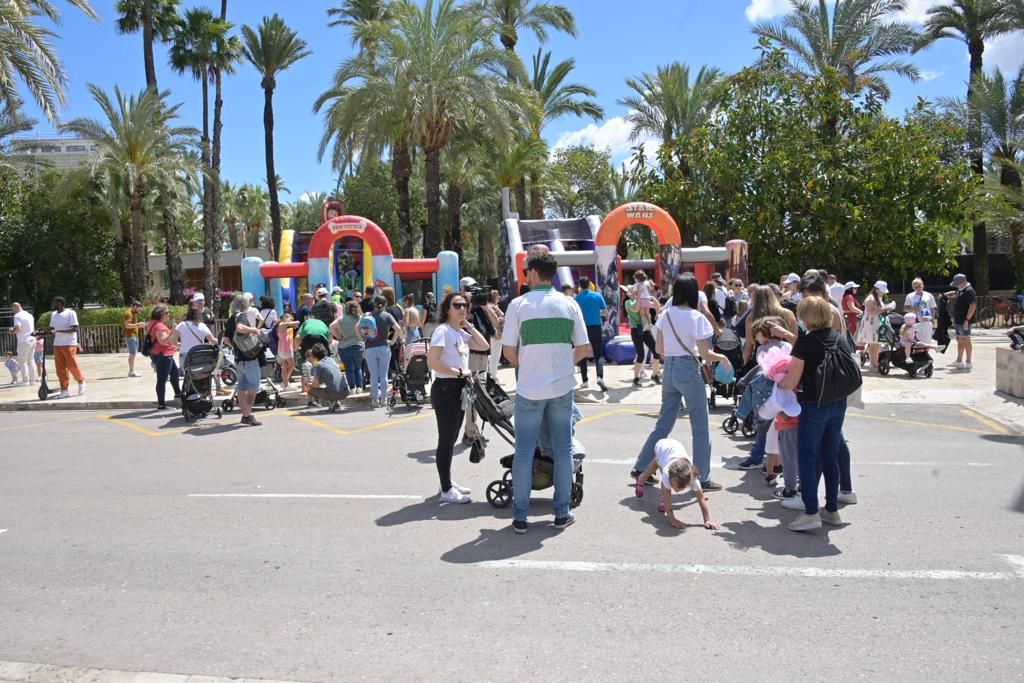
448, 357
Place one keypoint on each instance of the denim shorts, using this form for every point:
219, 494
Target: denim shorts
133, 345
961, 332
38, 357
248, 375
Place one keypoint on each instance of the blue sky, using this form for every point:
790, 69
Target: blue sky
617, 39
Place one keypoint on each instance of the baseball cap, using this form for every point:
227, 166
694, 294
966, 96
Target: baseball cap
336, 288
467, 282
910, 318
850, 284
248, 296
717, 277
198, 296
791, 278
958, 280
322, 291
882, 286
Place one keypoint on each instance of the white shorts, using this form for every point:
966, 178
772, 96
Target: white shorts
771, 442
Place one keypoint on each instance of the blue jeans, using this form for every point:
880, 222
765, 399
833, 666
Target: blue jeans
681, 379
558, 414
760, 440
377, 360
165, 367
352, 359
820, 435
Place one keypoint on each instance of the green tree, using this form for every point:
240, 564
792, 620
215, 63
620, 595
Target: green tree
557, 99
13, 122
26, 53
506, 18
156, 19
973, 22
253, 213
860, 41
580, 182
138, 144
360, 16
272, 50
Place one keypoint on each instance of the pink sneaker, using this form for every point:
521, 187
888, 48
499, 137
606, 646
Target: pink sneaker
639, 488
661, 506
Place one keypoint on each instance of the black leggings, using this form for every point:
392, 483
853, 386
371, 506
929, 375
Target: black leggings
165, 366
642, 341
446, 399
597, 346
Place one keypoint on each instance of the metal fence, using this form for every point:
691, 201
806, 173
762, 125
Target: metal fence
91, 339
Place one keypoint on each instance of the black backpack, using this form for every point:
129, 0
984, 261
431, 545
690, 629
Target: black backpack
838, 375
147, 342
729, 311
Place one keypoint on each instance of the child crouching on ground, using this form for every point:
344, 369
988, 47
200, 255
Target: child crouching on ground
677, 474
12, 366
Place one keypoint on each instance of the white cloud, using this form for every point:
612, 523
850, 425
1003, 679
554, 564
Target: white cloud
611, 135
917, 10
931, 75
766, 9
1005, 52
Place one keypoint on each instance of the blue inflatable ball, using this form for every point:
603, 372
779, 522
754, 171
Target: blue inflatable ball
620, 350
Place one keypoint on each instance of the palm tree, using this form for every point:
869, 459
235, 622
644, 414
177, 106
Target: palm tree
667, 105
272, 50
26, 52
227, 52
252, 210
360, 16
511, 160
973, 22
176, 190
443, 53
156, 19
229, 212
860, 41
557, 99
13, 122
506, 18
139, 145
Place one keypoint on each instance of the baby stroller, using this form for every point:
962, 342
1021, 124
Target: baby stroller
410, 382
268, 393
727, 343
893, 356
733, 424
494, 407
197, 384
226, 366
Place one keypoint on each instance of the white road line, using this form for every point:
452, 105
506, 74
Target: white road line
3, 531
736, 570
345, 496
1018, 563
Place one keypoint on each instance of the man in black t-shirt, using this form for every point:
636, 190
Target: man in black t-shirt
964, 305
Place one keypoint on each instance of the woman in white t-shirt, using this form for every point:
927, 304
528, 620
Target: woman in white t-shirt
448, 358
681, 337
191, 332
920, 302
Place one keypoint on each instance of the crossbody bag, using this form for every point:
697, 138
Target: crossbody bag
705, 371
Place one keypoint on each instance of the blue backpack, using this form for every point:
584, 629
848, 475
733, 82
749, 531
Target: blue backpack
368, 327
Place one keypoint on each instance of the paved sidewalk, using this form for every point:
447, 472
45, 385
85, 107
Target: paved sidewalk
109, 387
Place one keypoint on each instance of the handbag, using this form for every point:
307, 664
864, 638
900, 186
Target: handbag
705, 371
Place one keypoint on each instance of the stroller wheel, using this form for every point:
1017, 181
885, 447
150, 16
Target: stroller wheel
883, 367
270, 403
392, 400
928, 370
507, 477
228, 405
576, 497
748, 430
229, 377
730, 425
280, 401
499, 494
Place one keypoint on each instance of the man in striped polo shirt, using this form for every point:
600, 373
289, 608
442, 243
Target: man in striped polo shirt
545, 337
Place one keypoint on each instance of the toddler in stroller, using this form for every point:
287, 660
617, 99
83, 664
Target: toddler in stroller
410, 381
726, 343
902, 349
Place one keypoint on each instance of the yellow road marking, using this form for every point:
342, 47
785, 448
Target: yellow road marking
991, 424
601, 416
137, 428
46, 424
321, 425
918, 423
382, 425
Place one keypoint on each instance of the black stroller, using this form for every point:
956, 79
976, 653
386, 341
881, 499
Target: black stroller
410, 381
493, 406
268, 395
197, 385
893, 356
727, 343
732, 424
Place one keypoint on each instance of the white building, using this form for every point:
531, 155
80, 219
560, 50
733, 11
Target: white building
56, 151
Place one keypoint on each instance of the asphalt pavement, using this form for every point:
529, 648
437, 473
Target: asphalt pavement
314, 548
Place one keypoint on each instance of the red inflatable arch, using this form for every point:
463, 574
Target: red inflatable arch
345, 226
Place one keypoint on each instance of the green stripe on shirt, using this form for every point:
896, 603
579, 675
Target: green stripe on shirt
546, 331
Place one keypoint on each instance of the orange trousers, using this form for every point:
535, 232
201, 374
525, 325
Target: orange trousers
64, 357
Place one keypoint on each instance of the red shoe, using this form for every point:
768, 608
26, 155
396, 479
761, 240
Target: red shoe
661, 506
639, 488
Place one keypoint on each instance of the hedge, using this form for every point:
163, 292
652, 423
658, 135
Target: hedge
111, 316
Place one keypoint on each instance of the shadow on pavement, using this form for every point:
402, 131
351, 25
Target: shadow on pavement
430, 510
1015, 439
501, 544
648, 505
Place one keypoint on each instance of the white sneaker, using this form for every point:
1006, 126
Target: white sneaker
453, 495
81, 388
806, 522
847, 497
830, 518
456, 487
967, 366
64, 394
794, 503
585, 385
134, 374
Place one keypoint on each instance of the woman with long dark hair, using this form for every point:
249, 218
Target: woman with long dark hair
448, 358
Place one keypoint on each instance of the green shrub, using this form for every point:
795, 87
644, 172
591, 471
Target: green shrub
112, 316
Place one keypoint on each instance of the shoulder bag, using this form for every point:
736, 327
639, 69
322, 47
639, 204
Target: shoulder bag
705, 371
838, 375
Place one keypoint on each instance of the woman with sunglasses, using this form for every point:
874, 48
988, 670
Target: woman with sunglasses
448, 357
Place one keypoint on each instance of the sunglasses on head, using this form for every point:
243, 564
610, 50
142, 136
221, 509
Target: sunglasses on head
460, 305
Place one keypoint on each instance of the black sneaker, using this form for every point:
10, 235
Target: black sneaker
778, 469
520, 526
748, 464
636, 381
251, 421
602, 385
657, 379
783, 494
562, 522
636, 473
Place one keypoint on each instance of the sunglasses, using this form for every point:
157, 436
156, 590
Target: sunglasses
460, 306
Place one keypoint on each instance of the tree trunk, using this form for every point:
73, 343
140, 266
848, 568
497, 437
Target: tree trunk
232, 226
454, 218
147, 44
172, 254
401, 171
140, 268
123, 254
432, 236
976, 48
211, 278
521, 206
209, 233
268, 134
536, 197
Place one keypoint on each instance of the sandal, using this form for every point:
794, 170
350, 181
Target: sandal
639, 488
771, 479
